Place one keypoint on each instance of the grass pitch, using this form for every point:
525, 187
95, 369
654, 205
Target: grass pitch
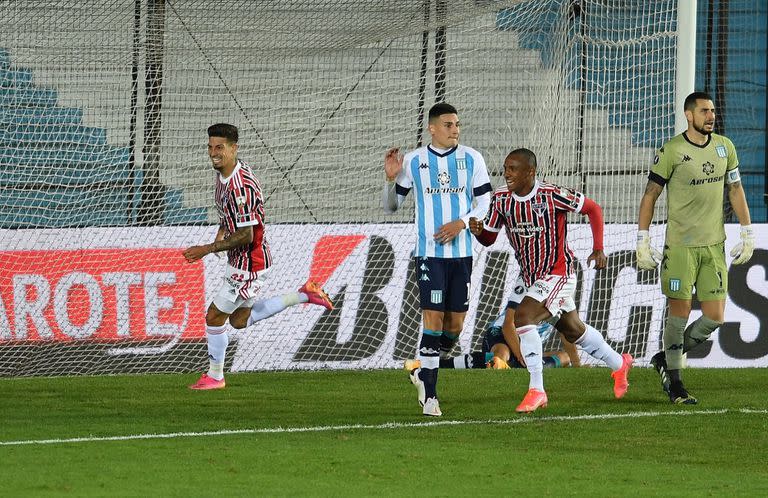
361, 433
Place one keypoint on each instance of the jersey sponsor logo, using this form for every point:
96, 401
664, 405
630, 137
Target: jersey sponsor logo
423, 166
526, 229
656, 159
424, 278
444, 178
708, 168
674, 284
702, 181
461, 163
686, 158
240, 201
721, 152
444, 190
436, 296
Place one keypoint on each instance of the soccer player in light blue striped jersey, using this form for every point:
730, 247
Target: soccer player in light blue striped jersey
450, 184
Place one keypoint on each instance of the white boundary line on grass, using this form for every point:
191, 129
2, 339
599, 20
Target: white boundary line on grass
386, 425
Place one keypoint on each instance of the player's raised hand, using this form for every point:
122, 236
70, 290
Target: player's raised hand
742, 251
475, 226
393, 163
599, 259
647, 257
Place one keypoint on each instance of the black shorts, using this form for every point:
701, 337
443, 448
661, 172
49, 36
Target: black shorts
444, 283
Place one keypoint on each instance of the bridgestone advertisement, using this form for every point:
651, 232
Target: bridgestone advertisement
130, 302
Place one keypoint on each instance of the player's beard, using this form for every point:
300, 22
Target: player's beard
703, 130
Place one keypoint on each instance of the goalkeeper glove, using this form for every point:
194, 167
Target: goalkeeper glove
743, 250
647, 257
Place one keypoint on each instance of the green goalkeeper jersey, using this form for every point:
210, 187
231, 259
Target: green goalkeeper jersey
695, 178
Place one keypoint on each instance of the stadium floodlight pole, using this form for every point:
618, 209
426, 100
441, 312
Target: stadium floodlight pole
686, 59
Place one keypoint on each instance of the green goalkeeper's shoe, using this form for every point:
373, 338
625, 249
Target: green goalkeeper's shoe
659, 362
679, 395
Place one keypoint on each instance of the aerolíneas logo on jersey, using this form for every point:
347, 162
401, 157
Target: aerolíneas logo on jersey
708, 168
444, 178
721, 151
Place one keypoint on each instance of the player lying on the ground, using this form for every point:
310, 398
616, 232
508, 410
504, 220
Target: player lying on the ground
501, 351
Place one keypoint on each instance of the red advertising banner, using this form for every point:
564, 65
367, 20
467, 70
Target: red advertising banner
100, 295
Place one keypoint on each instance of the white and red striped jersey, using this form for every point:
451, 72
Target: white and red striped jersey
240, 204
536, 226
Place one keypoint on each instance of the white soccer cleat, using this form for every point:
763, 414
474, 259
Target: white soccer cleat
416, 381
432, 408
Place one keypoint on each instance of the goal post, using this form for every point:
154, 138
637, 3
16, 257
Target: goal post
104, 177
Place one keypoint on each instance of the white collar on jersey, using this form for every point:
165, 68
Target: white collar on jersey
225, 180
529, 194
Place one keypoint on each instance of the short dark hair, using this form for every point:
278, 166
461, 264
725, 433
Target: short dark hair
528, 154
439, 109
224, 130
690, 100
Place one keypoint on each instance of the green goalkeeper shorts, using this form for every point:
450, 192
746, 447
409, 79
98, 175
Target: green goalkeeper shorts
702, 268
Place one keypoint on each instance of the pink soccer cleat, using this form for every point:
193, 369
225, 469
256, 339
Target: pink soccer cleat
316, 294
620, 381
533, 399
206, 383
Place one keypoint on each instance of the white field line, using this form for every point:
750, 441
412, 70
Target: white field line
384, 426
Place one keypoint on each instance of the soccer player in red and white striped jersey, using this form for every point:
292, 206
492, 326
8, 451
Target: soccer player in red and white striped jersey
240, 204
534, 214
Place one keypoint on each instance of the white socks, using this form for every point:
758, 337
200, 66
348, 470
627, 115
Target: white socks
268, 307
531, 349
593, 343
217, 350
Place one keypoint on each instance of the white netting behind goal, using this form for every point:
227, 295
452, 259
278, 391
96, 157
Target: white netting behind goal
104, 177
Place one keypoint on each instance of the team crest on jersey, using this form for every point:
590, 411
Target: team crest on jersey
461, 163
444, 178
539, 208
720, 149
240, 201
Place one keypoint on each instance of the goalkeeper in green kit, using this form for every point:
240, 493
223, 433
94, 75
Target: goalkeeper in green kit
694, 166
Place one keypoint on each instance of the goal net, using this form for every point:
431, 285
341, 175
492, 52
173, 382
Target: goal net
104, 175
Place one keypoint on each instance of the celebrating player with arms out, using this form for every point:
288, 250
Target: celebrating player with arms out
694, 166
533, 214
241, 233
450, 182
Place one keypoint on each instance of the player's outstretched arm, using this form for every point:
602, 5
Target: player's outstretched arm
241, 237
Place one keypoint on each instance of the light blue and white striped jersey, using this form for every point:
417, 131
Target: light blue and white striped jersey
445, 186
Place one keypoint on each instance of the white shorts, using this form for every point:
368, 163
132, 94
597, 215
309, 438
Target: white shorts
238, 289
554, 291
